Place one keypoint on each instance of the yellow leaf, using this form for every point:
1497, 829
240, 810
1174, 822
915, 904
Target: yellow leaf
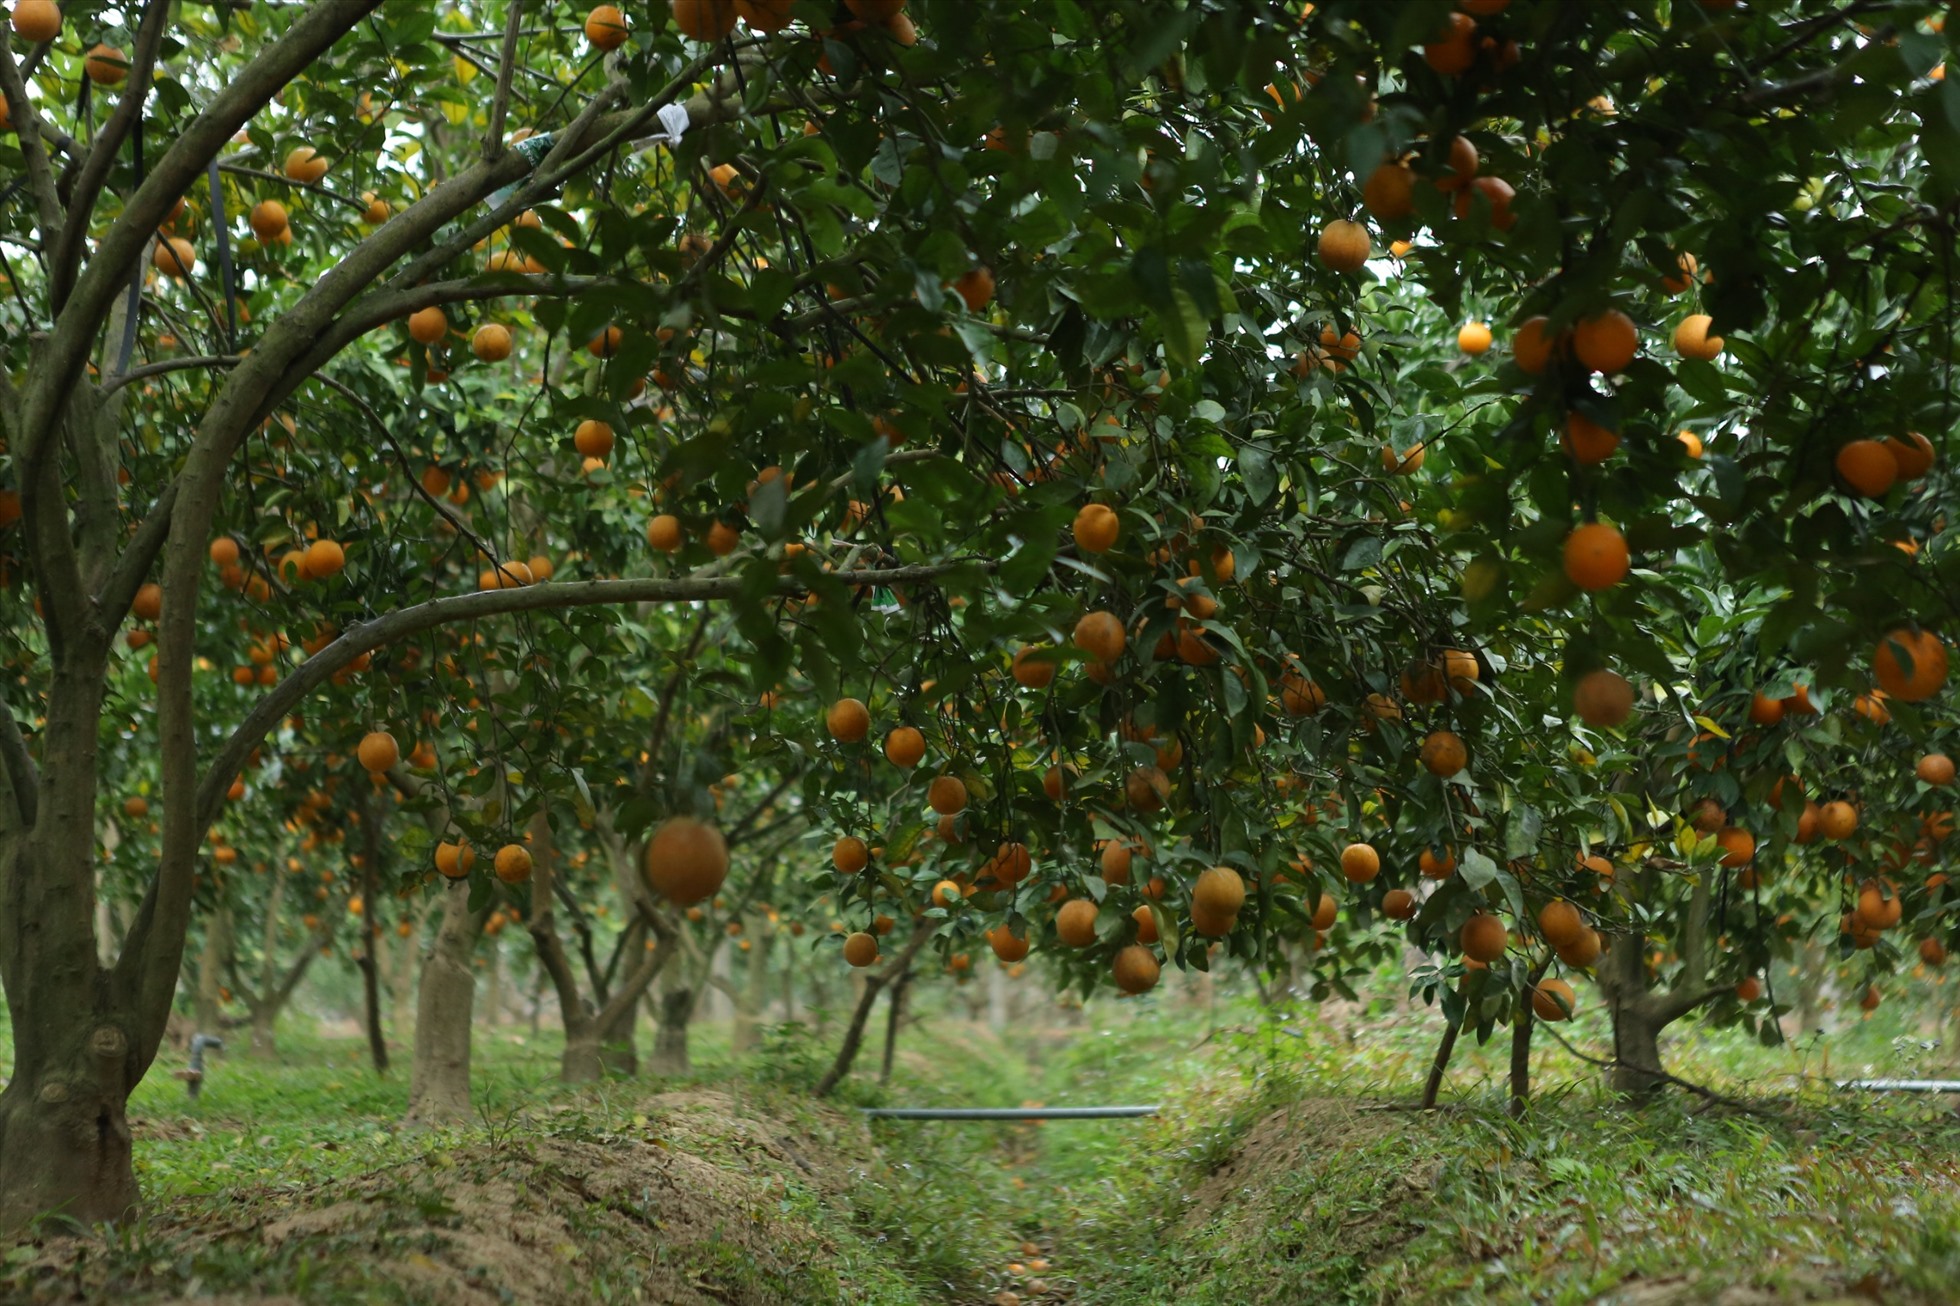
456, 113
1711, 727
465, 70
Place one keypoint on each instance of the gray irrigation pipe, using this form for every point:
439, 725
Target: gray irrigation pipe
1903, 1085
1008, 1112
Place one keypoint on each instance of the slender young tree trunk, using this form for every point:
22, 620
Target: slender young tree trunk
894, 1013
372, 849
1637, 1052
493, 1005
670, 1029
1521, 1045
207, 1008
1439, 1065
854, 1032
264, 1014
751, 997
439, 1075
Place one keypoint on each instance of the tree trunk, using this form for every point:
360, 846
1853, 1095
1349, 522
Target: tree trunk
619, 1049
1637, 1051
894, 1013
1444, 1050
751, 997
493, 1005
1521, 1050
670, 1030
264, 1016
439, 1076
372, 847
873, 985
207, 1012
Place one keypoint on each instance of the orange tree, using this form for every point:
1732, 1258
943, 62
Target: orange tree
1046, 404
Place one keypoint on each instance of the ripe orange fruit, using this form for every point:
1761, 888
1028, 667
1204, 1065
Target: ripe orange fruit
947, 893
306, 165
1360, 863
723, 538
1492, 191
849, 855
704, 20
1435, 865
1560, 923
1116, 857
605, 27
1872, 707
1146, 925
1606, 342
686, 861
324, 558
1932, 952
148, 603
1691, 338
1034, 668
175, 257
1146, 788
224, 551
1837, 820
1748, 989
1389, 191
975, 288
1764, 710
377, 209
861, 949
1324, 912
1100, 635
1532, 348
848, 721
1868, 467
1596, 556
1461, 163
1690, 443
1473, 338
1925, 653
664, 533
1443, 754
1075, 922
1096, 528
428, 326
1935, 769
1587, 441
1406, 463
1738, 846
946, 795
37, 21
1398, 904
106, 65
606, 343
491, 343
455, 859
268, 220
1553, 1000
1007, 945
1344, 245
765, 15
593, 438
1484, 938
1603, 698
1879, 907
512, 864
1453, 48
1913, 453
1135, 969
378, 751
905, 747
1219, 892
1585, 952
1300, 696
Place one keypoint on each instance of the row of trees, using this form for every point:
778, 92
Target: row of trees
1078, 484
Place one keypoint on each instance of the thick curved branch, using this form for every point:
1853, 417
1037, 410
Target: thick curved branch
65, 259
34, 151
167, 365
548, 597
106, 272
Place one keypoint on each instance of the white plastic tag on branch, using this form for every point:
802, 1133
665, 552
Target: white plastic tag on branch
673, 117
